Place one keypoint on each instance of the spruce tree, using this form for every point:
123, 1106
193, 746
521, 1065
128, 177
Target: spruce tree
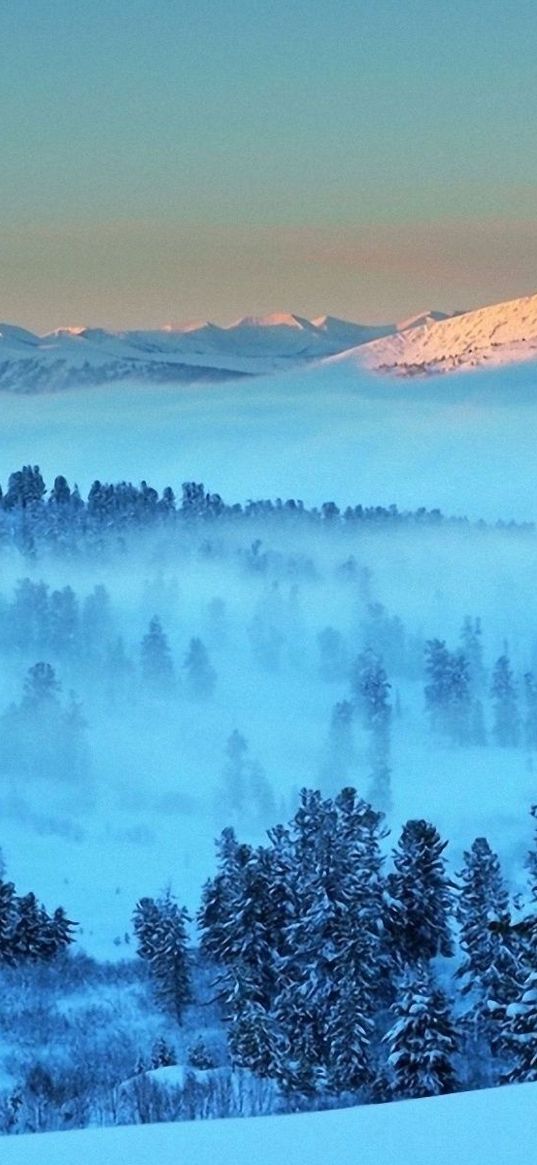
160, 927
490, 970
422, 1043
482, 899
421, 902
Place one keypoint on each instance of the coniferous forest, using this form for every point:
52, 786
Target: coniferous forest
345, 699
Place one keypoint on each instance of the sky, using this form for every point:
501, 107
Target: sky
164, 161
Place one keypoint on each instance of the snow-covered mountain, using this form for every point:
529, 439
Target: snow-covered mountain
504, 333
200, 351
427, 343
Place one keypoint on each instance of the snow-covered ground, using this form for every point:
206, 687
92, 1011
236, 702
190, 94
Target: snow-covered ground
492, 1127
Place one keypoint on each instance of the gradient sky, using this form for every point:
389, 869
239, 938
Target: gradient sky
163, 161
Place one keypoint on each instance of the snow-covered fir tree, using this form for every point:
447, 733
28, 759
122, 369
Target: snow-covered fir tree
160, 929
420, 893
422, 1043
491, 968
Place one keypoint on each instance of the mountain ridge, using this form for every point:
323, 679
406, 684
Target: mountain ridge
500, 333
428, 343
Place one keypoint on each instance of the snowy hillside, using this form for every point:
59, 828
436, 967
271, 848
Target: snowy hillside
70, 357
504, 333
493, 1127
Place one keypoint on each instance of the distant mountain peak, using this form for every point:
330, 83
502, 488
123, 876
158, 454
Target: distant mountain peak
276, 319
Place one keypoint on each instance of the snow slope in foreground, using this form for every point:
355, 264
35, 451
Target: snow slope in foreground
504, 333
494, 1127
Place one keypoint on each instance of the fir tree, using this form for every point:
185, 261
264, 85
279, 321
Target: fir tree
482, 899
489, 972
160, 927
29, 938
421, 903
215, 917
422, 1043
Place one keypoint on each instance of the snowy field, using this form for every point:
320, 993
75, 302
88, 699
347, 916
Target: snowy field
492, 1127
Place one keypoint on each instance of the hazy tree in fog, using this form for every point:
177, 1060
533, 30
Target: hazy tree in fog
530, 711
40, 736
244, 793
64, 621
157, 664
371, 690
40, 688
118, 671
27, 627
472, 648
200, 676
339, 753
384, 635
506, 727
216, 621
334, 663
266, 630
96, 622
453, 711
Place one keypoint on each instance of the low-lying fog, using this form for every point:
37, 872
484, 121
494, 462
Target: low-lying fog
121, 788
